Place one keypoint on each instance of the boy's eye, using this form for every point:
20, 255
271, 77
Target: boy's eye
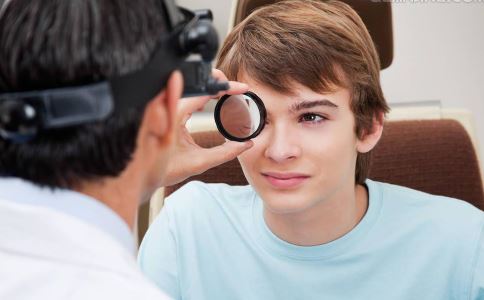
311, 118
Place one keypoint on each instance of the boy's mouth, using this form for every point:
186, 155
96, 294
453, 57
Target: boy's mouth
284, 180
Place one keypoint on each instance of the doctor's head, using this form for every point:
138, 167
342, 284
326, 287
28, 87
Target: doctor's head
55, 44
316, 69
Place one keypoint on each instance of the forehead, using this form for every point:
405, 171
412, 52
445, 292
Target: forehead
339, 96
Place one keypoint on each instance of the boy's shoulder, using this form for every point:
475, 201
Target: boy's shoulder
208, 210
416, 206
197, 195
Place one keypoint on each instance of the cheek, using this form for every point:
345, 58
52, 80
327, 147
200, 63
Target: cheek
333, 147
340, 141
250, 156
250, 159
333, 134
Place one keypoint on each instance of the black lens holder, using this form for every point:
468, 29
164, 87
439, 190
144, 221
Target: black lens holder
222, 128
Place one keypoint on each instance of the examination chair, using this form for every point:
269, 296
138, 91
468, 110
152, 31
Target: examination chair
434, 156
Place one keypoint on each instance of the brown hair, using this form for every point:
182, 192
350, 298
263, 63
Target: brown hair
320, 45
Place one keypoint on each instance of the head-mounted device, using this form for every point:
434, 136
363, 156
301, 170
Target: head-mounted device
190, 46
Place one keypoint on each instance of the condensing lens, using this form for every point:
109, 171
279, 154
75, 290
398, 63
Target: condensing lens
240, 117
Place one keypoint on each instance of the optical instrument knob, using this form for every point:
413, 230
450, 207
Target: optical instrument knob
18, 120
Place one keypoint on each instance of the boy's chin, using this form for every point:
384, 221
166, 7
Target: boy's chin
284, 204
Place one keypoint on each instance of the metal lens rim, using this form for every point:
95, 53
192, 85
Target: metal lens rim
262, 114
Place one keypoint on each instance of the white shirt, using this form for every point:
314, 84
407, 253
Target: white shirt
59, 244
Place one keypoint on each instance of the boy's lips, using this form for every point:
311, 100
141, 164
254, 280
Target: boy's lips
284, 180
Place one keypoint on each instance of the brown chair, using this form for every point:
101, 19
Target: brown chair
434, 156
377, 16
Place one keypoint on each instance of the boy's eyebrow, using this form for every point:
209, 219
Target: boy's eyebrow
310, 104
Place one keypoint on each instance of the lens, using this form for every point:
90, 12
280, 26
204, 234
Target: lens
240, 117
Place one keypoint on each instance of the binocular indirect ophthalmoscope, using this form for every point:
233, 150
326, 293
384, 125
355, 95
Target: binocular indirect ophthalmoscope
190, 45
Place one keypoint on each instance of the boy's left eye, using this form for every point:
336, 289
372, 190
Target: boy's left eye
311, 118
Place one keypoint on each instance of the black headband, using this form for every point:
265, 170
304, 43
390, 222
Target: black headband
23, 114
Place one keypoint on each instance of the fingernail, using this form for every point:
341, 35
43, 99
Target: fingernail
248, 144
239, 85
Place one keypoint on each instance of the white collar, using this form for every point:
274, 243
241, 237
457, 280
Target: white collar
69, 202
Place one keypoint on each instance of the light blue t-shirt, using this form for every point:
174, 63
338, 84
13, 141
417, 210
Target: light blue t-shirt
211, 242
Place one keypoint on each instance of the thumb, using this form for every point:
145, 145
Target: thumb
227, 151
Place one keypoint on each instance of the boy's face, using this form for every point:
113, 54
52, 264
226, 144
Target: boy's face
307, 150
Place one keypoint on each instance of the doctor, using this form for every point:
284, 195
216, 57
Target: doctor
90, 125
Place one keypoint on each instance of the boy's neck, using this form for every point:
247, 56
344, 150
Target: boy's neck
323, 223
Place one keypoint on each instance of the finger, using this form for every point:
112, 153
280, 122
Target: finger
219, 75
235, 87
220, 154
187, 106
190, 105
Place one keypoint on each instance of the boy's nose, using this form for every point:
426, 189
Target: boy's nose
282, 145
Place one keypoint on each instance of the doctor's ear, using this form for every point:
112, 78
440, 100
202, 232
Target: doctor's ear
370, 137
160, 113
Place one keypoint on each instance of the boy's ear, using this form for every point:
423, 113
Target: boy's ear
370, 138
160, 113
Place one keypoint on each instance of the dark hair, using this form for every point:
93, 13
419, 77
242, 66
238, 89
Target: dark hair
319, 44
58, 43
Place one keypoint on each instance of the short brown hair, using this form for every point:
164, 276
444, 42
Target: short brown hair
320, 45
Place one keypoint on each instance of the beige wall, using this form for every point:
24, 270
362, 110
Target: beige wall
439, 55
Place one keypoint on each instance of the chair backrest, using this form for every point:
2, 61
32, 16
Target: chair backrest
434, 156
377, 16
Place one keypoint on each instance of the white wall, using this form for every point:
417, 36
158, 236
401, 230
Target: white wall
439, 53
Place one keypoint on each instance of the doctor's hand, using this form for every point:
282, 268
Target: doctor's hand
189, 158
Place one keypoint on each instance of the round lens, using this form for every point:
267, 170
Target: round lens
240, 117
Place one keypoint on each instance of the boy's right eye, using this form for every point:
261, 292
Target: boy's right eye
311, 118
